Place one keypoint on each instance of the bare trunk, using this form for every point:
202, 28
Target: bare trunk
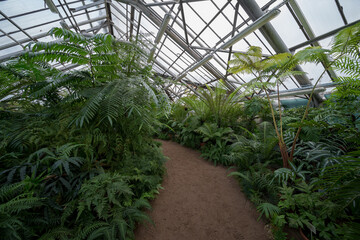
284, 154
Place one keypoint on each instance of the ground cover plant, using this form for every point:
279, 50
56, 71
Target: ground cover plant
77, 156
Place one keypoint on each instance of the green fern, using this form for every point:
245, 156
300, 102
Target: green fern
268, 209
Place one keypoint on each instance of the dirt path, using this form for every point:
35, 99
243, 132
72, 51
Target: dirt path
199, 202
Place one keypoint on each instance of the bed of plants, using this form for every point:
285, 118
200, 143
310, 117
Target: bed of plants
300, 167
77, 159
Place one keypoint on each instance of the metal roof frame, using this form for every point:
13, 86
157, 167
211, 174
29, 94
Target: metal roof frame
183, 46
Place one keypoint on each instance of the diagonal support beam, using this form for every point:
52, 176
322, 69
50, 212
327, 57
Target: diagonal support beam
157, 21
184, 22
293, 6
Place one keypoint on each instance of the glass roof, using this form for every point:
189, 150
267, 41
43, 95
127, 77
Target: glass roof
196, 28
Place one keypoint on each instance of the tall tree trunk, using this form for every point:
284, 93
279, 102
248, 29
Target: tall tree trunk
284, 154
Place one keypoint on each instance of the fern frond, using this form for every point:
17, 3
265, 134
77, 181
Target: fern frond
86, 231
60, 233
270, 210
20, 203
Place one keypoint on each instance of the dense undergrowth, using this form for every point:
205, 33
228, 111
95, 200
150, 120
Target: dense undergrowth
300, 167
77, 159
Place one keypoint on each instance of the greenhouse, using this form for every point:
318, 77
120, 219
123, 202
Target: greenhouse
180, 119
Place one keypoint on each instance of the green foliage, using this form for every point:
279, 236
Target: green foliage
257, 185
216, 105
317, 188
213, 133
15, 202
257, 107
322, 143
268, 209
306, 209
77, 156
103, 192
347, 41
258, 148
341, 181
285, 174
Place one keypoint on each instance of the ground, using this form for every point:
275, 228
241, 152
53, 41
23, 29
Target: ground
199, 202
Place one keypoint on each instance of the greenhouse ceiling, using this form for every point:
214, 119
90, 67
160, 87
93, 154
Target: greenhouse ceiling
189, 42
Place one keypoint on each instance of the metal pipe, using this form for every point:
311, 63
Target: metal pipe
87, 13
301, 91
251, 28
52, 6
72, 15
201, 62
159, 35
184, 22
162, 29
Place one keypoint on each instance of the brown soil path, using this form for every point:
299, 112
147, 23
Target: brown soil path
199, 202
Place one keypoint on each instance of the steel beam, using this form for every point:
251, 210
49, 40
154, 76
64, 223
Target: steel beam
41, 35
171, 2
97, 3
87, 13
270, 34
197, 56
35, 11
53, 21
184, 22
16, 25
293, 5
201, 43
341, 11
221, 50
323, 36
109, 18
132, 17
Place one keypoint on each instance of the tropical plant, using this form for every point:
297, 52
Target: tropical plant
257, 148
77, 156
15, 201
307, 210
216, 104
277, 68
257, 185
340, 181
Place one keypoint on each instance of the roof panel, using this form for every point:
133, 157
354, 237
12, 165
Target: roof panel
209, 22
